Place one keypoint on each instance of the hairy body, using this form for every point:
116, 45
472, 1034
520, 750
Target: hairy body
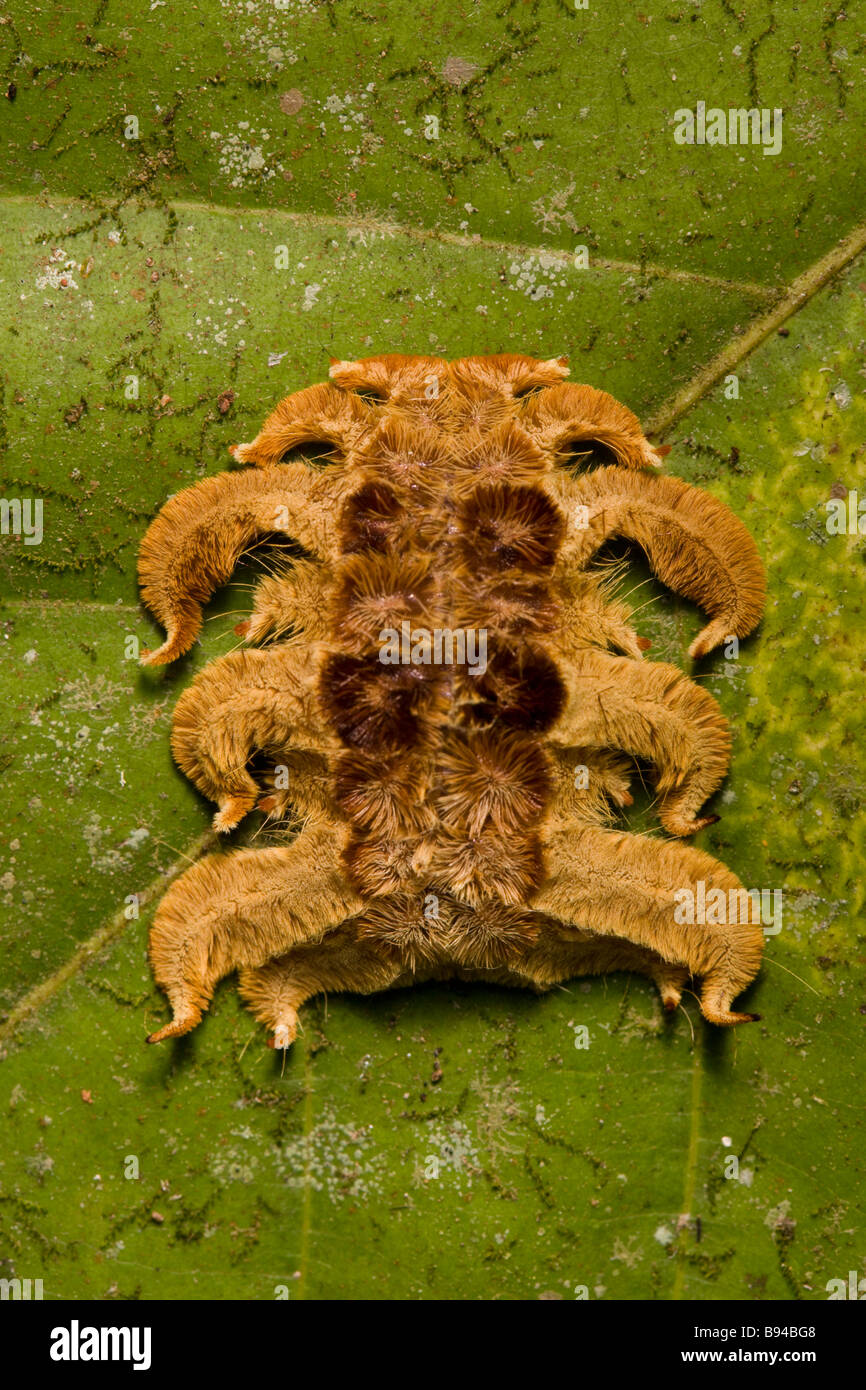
456, 813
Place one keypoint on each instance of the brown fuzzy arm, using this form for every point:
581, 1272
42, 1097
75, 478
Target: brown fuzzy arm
571, 414
247, 702
651, 711
320, 415
624, 886
341, 962
289, 604
561, 953
587, 784
239, 910
195, 542
694, 543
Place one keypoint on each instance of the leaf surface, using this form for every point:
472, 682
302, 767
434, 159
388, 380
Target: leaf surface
440, 1142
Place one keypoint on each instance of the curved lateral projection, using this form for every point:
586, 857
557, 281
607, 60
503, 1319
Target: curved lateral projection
244, 703
693, 542
650, 710
570, 414
194, 544
319, 415
620, 885
343, 961
243, 909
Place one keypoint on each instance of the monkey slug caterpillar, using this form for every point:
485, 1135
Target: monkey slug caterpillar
443, 690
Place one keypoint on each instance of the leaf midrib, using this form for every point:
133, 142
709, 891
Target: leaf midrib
382, 227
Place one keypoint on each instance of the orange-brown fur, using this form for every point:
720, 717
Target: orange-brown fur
444, 831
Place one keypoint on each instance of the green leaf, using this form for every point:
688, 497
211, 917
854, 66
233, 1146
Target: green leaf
440, 1142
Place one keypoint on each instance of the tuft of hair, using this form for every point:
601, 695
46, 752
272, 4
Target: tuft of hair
492, 779
374, 706
410, 456
373, 518
514, 607
398, 924
488, 865
505, 527
490, 934
520, 689
384, 796
500, 452
382, 865
380, 591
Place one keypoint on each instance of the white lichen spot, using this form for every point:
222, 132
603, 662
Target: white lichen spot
136, 838
458, 71
537, 276
57, 272
242, 156
338, 1159
311, 294
778, 1218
